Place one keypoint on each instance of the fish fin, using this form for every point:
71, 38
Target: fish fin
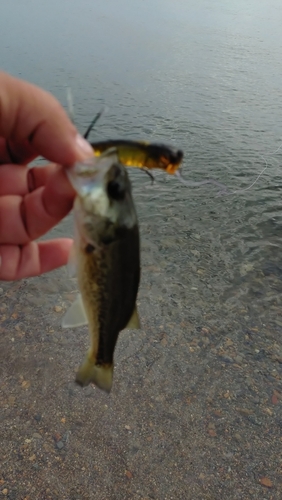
76, 315
134, 322
72, 264
100, 375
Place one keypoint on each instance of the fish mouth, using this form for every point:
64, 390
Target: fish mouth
105, 171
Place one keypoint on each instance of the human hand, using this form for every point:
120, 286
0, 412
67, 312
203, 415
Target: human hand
32, 201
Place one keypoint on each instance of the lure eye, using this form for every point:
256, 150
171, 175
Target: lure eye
115, 190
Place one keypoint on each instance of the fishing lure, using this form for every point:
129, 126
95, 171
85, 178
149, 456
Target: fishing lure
139, 154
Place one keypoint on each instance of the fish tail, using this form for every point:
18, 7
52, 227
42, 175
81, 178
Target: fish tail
100, 375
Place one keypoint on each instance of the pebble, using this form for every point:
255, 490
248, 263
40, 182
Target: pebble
58, 309
196, 253
88, 391
254, 420
226, 359
246, 268
60, 445
248, 381
35, 301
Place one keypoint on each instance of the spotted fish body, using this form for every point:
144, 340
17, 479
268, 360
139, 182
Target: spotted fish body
107, 261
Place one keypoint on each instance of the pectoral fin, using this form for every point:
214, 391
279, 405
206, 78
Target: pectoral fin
134, 322
76, 315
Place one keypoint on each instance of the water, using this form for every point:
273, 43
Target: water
205, 77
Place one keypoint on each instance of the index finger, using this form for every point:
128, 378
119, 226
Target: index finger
34, 123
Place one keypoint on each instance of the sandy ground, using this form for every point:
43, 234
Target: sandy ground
195, 410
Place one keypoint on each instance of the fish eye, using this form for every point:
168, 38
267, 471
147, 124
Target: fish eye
89, 248
115, 190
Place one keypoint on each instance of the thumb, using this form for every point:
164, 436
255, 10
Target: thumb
35, 121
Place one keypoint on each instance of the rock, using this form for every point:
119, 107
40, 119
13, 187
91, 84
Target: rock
226, 359
88, 391
265, 481
246, 268
245, 411
36, 435
60, 445
256, 400
254, 420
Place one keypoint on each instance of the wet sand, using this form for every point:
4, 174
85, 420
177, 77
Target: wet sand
195, 409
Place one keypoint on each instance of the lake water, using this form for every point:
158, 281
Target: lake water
205, 77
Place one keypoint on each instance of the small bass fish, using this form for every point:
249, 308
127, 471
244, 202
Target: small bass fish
107, 261
142, 154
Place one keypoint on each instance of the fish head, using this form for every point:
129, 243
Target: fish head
165, 157
104, 198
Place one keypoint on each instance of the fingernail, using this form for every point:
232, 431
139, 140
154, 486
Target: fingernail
83, 148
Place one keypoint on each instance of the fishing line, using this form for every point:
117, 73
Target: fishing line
250, 186
259, 175
224, 189
201, 183
70, 104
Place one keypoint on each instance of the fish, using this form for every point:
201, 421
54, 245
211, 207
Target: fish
142, 154
106, 259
